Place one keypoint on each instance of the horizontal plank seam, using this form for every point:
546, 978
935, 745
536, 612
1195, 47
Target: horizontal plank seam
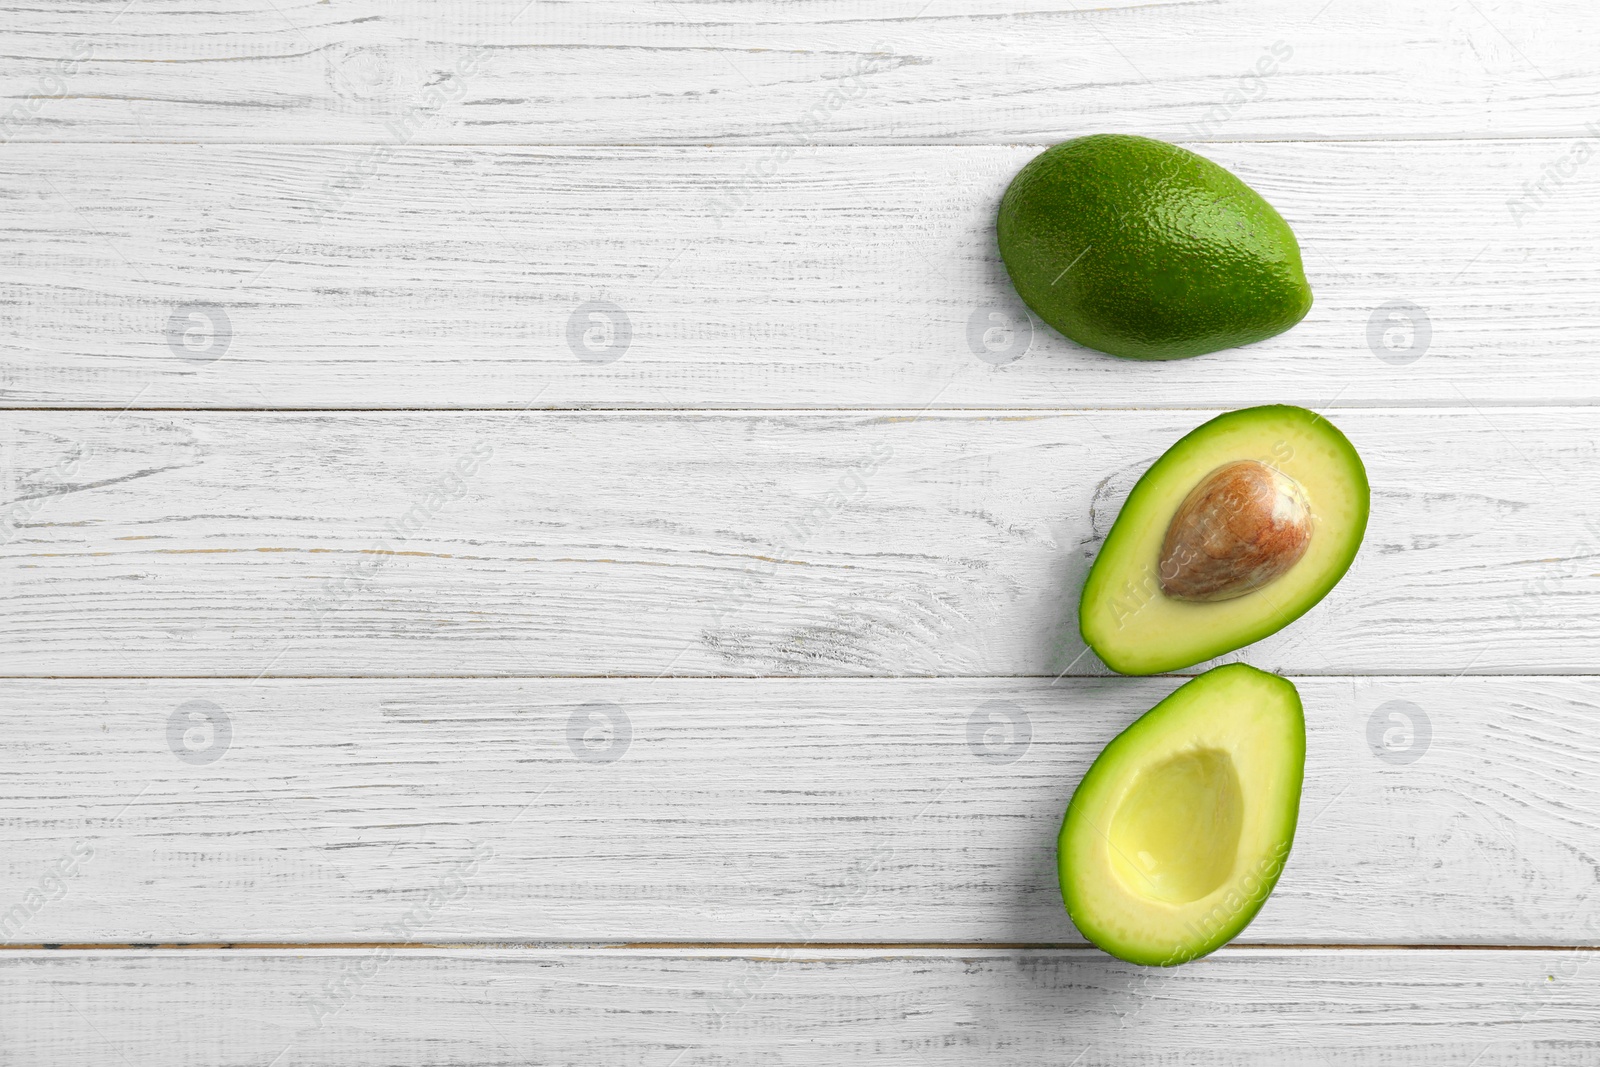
809, 678
909, 413
715, 145
737, 946
58, 409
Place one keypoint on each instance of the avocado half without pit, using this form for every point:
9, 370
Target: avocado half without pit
1235, 532
1180, 829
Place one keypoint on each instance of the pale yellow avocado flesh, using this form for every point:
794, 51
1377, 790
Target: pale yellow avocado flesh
1137, 629
1181, 828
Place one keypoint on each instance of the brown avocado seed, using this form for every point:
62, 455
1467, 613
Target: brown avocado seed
1242, 527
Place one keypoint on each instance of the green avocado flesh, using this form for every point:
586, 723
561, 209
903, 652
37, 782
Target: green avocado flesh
1145, 250
1178, 833
1125, 615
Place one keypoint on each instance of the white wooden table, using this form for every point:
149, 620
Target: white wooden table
538, 533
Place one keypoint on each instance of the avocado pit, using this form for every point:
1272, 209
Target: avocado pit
1244, 526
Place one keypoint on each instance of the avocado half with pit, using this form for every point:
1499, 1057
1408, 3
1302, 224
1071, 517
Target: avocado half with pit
1178, 832
1234, 533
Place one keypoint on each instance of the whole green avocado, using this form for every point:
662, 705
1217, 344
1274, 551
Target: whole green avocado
1145, 250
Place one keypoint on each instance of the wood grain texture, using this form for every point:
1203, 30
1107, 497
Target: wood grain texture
613, 543
309, 205
514, 71
906, 1008
1436, 811
260, 277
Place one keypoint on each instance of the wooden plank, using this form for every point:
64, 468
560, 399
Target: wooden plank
906, 1007
614, 543
515, 71
260, 277
1436, 811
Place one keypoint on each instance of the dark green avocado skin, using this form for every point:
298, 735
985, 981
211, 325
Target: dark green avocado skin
1145, 250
